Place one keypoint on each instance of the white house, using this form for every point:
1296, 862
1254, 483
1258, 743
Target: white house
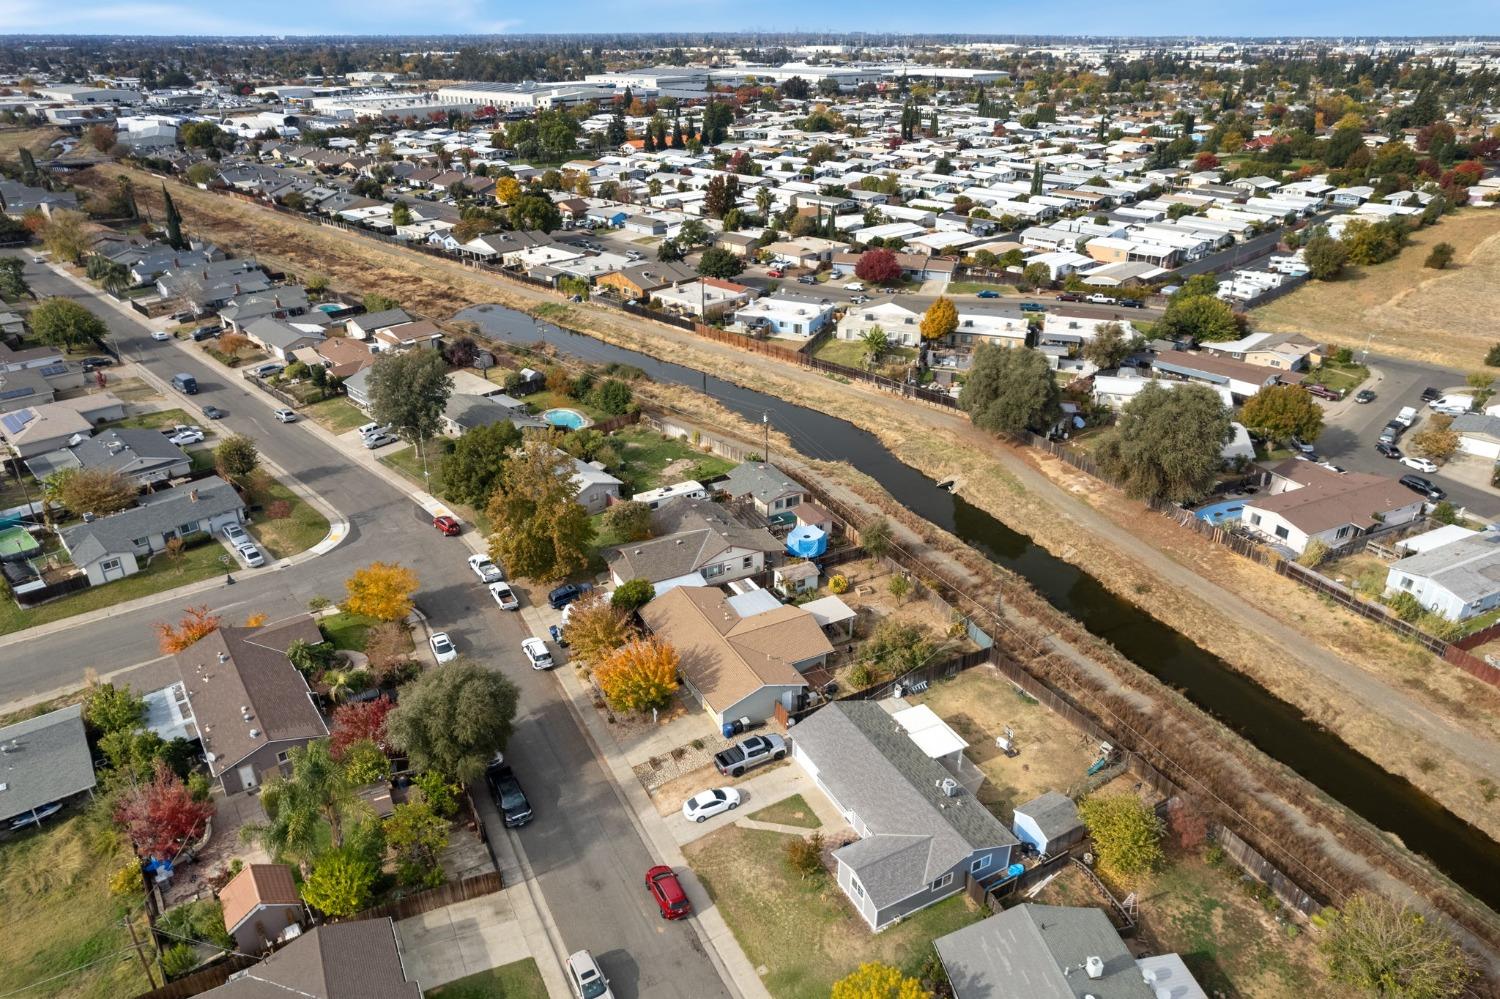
1458, 580
790, 318
1306, 501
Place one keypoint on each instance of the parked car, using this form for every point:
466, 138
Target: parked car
1391, 432
267, 370
1131, 303
93, 363
1098, 299
1420, 464
515, 809
206, 333
1389, 450
1069, 296
285, 416
807, 279
1364, 396
566, 594
987, 293
749, 754
447, 526
859, 300
706, 804
160, 335
379, 440
1301, 445
1420, 485
664, 887
585, 978
775, 273
854, 286
1324, 392
214, 412
250, 554
505, 597
1430, 394
536, 653
1033, 307
442, 647
372, 429
1406, 417
486, 570
235, 534
186, 436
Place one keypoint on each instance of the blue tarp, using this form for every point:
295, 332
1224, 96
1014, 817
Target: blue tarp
807, 541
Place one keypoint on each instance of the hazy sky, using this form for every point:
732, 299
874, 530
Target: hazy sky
266, 17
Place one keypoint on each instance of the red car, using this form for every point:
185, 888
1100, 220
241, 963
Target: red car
449, 526
776, 273
667, 890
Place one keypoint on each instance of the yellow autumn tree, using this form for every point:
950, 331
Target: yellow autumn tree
940, 319
639, 676
595, 629
877, 981
381, 590
507, 190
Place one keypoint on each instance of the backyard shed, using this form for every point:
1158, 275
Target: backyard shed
1050, 823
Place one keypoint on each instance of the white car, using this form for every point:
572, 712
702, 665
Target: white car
586, 979
378, 441
235, 535
854, 286
536, 653
1420, 464
505, 597
160, 335
442, 647
249, 554
486, 570
285, 416
706, 804
186, 436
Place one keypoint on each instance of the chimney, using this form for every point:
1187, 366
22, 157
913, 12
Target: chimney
277, 300
192, 495
1094, 967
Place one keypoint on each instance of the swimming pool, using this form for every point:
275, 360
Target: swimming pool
572, 419
330, 307
1218, 513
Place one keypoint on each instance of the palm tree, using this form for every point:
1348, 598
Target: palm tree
114, 278
876, 344
316, 794
343, 682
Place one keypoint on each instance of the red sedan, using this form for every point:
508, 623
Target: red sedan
449, 526
667, 891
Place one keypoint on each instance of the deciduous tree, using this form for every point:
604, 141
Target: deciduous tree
1325, 256
720, 263
64, 236
64, 323
1109, 347
473, 467
418, 836
628, 521
542, 532
1436, 440
633, 594
196, 622
877, 981
1126, 833
362, 721
1009, 389
454, 719
97, 491
1168, 443
940, 319
161, 817
13, 284
236, 457
408, 391
382, 590
1385, 949
878, 266
596, 628
1283, 411
639, 676
340, 882
1203, 318
114, 709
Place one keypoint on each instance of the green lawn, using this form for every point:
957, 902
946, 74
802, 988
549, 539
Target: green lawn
409, 463
60, 917
202, 458
517, 980
347, 631
285, 524
804, 931
337, 414
161, 418
1345, 377
851, 353
793, 811
540, 402
197, 563
974, 287
646, 454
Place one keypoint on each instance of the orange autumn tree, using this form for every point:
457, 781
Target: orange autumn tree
382, 590
639, 676
196, 623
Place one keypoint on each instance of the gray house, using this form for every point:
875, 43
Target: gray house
279, 339
920, 833
119, 545
43, 760
763, 485
697, 542
145, 457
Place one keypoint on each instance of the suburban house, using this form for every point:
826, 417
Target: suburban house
35, 430
342, 356
595, 487
1049, 823
273, 303
121, 544
465, 412
145, 457
740, 655
359, 959
251, 704
763, 485
50, 763
697, 543
1288, 351
780, 316
1306, 501
1036, 951
1242, 379
921, 834
357, 388
365, 326
705, 297
404, 336
1478, 434
259, 903
279, 339
1458, 580
638, 281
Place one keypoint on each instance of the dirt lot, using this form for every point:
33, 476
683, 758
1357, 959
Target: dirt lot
35, 139
979, 704
1444, 317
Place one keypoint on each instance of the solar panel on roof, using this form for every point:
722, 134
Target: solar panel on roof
16, 393
16, 422
55, 369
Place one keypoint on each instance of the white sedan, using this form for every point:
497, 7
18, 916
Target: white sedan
505, 597
190, 435
1420, 464
442, 647
706, 804
160, 335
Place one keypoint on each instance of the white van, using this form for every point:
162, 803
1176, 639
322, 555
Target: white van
1453, 405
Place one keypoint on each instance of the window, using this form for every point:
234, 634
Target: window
982, 863
748, 562
109, 565
859, 889
709, 571
1344, 532
1282, 532
1406, 582
140, 542
943, 882
283, 757
1255, 518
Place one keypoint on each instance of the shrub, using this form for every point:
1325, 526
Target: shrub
1440, 257
1492, 357
804, 856
838, 583
860, 676
178, 960
1315, 554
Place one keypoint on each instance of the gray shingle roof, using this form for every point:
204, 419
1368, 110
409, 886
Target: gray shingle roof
1039, 952
156, 513
50, 761
1469, 568
130, 452
869, 763
762, 481
1054, 813
693, 533
355, 960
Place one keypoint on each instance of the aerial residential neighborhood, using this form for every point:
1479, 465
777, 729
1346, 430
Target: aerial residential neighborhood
508, 504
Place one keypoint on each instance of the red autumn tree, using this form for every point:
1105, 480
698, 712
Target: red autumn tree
879, 266
1205, 161
196, 622
162, 817
357, 722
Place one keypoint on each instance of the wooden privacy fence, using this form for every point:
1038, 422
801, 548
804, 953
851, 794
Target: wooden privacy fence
435, 898
201, 981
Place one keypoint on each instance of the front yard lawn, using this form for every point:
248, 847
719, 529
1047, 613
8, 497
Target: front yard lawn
1342, 377
852, 353
647, 455
337, 414
409, 463
793, 811
517, 980
347, 631
804, 931
162, 573
974, 287
160, 419
285, 524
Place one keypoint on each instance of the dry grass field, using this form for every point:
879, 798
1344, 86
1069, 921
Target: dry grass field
1441, 317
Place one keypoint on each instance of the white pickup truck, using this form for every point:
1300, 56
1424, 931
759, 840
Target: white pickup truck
748, 754
1407, 416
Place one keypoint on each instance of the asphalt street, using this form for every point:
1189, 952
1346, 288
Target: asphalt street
586, 854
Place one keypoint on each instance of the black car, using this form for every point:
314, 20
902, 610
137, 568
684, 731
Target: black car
1131, 303
1364, 396
1431, 394
206, 333
1389, 450
90, 363
1420, 485
214, 412
515, 810
566, 594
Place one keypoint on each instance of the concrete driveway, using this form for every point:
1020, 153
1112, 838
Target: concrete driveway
461, 939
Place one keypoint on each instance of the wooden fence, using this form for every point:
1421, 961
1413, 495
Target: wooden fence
201, 981
435, 898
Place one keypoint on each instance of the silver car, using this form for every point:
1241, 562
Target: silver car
585, 977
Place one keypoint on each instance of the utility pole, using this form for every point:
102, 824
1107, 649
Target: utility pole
139, 952
765, 421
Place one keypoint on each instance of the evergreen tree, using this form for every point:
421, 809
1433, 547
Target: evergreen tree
1036, 179
28, 168
174, 222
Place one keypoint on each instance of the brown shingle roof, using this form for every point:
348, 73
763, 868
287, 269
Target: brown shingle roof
354, 960
256, 885
1331, 499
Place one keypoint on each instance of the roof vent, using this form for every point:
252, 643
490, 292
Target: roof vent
255, 733
224, 658
1094, 966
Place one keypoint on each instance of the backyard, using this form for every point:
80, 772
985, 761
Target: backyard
517, 980
285, 523
852, 353
652, 460
159, 419
61, 921
802, 931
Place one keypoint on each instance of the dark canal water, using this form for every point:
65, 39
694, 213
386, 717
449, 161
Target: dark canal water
1274, 726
